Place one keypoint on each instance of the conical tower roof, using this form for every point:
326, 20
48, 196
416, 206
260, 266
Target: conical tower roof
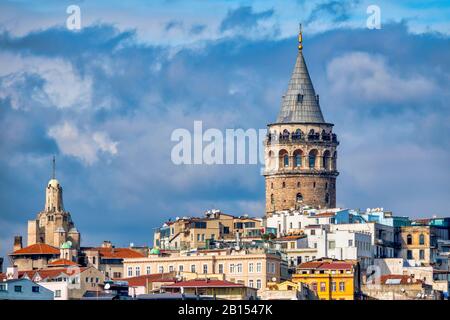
300, 103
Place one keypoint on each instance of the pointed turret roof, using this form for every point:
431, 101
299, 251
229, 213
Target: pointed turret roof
300, 103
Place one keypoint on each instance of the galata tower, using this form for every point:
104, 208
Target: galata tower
300, 149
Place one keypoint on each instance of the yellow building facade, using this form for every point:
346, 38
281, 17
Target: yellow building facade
330, 279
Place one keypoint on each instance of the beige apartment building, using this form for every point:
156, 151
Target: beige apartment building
197, 232
251, 267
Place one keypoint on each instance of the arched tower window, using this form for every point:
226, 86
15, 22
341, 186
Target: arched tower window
299, 197
334, 160
272, 199
422, 239
297, 158
312, 158
326, 160
283, 158
327, 198
409, 239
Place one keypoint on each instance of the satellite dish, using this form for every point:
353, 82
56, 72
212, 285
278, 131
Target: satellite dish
107, 286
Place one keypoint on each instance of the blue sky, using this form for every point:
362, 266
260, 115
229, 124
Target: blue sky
106, 98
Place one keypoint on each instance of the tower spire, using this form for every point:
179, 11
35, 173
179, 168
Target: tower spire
53, 167
300, 37
300, 104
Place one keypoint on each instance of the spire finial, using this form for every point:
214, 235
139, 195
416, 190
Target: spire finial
54, 167
300, 37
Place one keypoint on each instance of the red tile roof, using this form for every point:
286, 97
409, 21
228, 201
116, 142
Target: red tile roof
142, 281
326, 265
398, 279
291, 237
51, 272
62, 262
117, 253
38, 248
324, 214
202, 283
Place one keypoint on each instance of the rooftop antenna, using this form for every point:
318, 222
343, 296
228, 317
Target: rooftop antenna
53, 167
300, 37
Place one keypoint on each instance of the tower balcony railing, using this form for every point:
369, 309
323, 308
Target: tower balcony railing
306, 170
272, 139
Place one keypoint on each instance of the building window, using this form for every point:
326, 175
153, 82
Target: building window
148, 270
323, 287
193, 268
17, 288
283, 184
180, 268
161, 269
35, 289
421, 239
409, 255
271, 185
327, 198
299, 225
293, 245
422, 254
409, 239
299, 197
272, 199
138, 271
342, 286
220, 268
258, 267
314, 286
312, 159
3, 287
251, 283
130, 272
258, 284
57, 293
93, 260
205, 268
298, 160
170, 268
286, 160
331, 244
239, 268
333, 286
350, 243
232, 268
250, 267
313, 232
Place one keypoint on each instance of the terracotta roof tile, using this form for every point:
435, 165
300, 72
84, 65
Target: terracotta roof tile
202, 283
403, 279
38, 248
326, 265
142, 281
117, 253
62, 262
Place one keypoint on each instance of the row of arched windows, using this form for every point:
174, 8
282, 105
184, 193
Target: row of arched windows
328, 162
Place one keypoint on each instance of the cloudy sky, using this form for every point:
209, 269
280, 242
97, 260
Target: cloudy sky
105, 99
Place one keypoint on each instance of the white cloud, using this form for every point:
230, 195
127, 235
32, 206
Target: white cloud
82, 145
61, 87
362, 76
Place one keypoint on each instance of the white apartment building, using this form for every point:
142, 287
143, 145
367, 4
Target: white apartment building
343, 245
382, 236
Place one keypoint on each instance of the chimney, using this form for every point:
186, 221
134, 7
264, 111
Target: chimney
12, 273
17, 243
